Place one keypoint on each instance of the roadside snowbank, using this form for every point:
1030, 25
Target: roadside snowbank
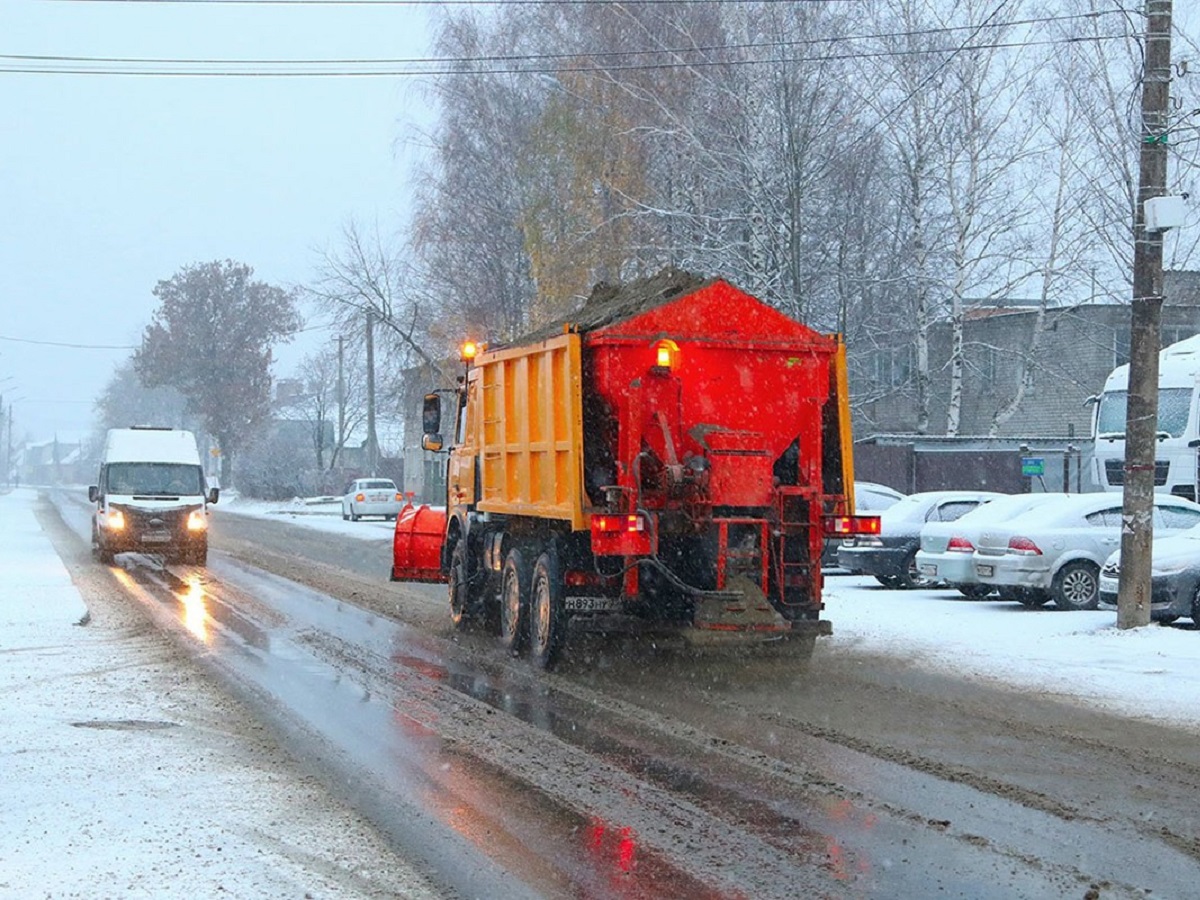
128, 774
1148, 672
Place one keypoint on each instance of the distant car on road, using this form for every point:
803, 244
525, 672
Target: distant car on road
948, 548
1174, 577
869, 497
891, 556
1055, 552
371, 497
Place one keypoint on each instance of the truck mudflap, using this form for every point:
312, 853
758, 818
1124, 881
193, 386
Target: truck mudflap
417, 544
741, 607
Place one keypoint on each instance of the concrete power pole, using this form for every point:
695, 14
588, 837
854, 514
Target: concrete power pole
1141, 420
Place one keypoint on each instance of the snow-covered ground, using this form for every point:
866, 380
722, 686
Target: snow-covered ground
1151, 672
128, 774
321, 513
122, 776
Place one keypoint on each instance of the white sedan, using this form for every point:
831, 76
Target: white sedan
1055, 552
371, 497
947, 553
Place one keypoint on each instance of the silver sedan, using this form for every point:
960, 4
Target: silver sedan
947, 553
1055, 552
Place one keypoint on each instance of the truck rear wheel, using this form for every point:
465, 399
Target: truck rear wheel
514, 602
548, 625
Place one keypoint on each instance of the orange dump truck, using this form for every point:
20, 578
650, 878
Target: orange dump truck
673, 455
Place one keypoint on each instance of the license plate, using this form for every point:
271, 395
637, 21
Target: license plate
593, 604
156, 538
985, 571
928, 569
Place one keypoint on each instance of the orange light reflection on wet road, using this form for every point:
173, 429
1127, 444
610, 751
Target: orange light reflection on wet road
195, 611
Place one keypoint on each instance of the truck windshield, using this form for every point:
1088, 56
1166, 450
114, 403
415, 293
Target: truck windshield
155, 479
1173, 407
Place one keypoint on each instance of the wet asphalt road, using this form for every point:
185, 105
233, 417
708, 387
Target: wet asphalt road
632, 772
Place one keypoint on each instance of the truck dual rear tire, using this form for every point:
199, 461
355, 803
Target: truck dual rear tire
548, 614
514, 602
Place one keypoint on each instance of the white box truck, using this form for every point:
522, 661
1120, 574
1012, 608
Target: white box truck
1176, 459
151, 496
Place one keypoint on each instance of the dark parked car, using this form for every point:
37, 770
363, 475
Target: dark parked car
891, 556
869, 498
1174, 577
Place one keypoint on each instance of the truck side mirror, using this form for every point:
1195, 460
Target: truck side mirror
431, 415
431, 442
213, 494
93, 493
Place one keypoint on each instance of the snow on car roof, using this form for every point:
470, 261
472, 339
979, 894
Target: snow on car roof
151, 445
916, 505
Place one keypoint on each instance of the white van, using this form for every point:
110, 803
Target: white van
152, 496
1175, 463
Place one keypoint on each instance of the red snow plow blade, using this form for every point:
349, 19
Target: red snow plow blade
417, 544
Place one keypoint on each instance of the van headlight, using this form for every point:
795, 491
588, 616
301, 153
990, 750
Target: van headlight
197, 521
114, 521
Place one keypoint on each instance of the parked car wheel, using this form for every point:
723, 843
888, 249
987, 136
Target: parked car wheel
1028, 597
974, 591
345, 517
514, 602
910, 576
1196, 607
1076, 586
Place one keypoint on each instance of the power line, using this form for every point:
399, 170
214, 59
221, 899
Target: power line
98, 68
536, 57
17, 340
365, 3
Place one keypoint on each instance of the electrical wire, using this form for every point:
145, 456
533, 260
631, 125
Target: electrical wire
540, 57
17, 340
367, 3
536, 70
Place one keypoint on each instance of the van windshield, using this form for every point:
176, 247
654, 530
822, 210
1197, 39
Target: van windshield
1173, 407
155, 479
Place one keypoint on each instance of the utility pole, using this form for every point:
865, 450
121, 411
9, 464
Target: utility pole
1141, 419
372, 440
341, 394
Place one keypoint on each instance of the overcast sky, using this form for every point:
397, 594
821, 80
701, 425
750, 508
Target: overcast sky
110, 183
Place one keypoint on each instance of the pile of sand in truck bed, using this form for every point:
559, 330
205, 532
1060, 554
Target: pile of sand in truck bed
609, 303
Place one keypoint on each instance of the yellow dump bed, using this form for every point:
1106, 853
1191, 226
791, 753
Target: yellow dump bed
528, 430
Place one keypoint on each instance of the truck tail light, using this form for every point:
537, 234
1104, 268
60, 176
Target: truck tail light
1023, 546
612, 524
959, 544
835, 525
